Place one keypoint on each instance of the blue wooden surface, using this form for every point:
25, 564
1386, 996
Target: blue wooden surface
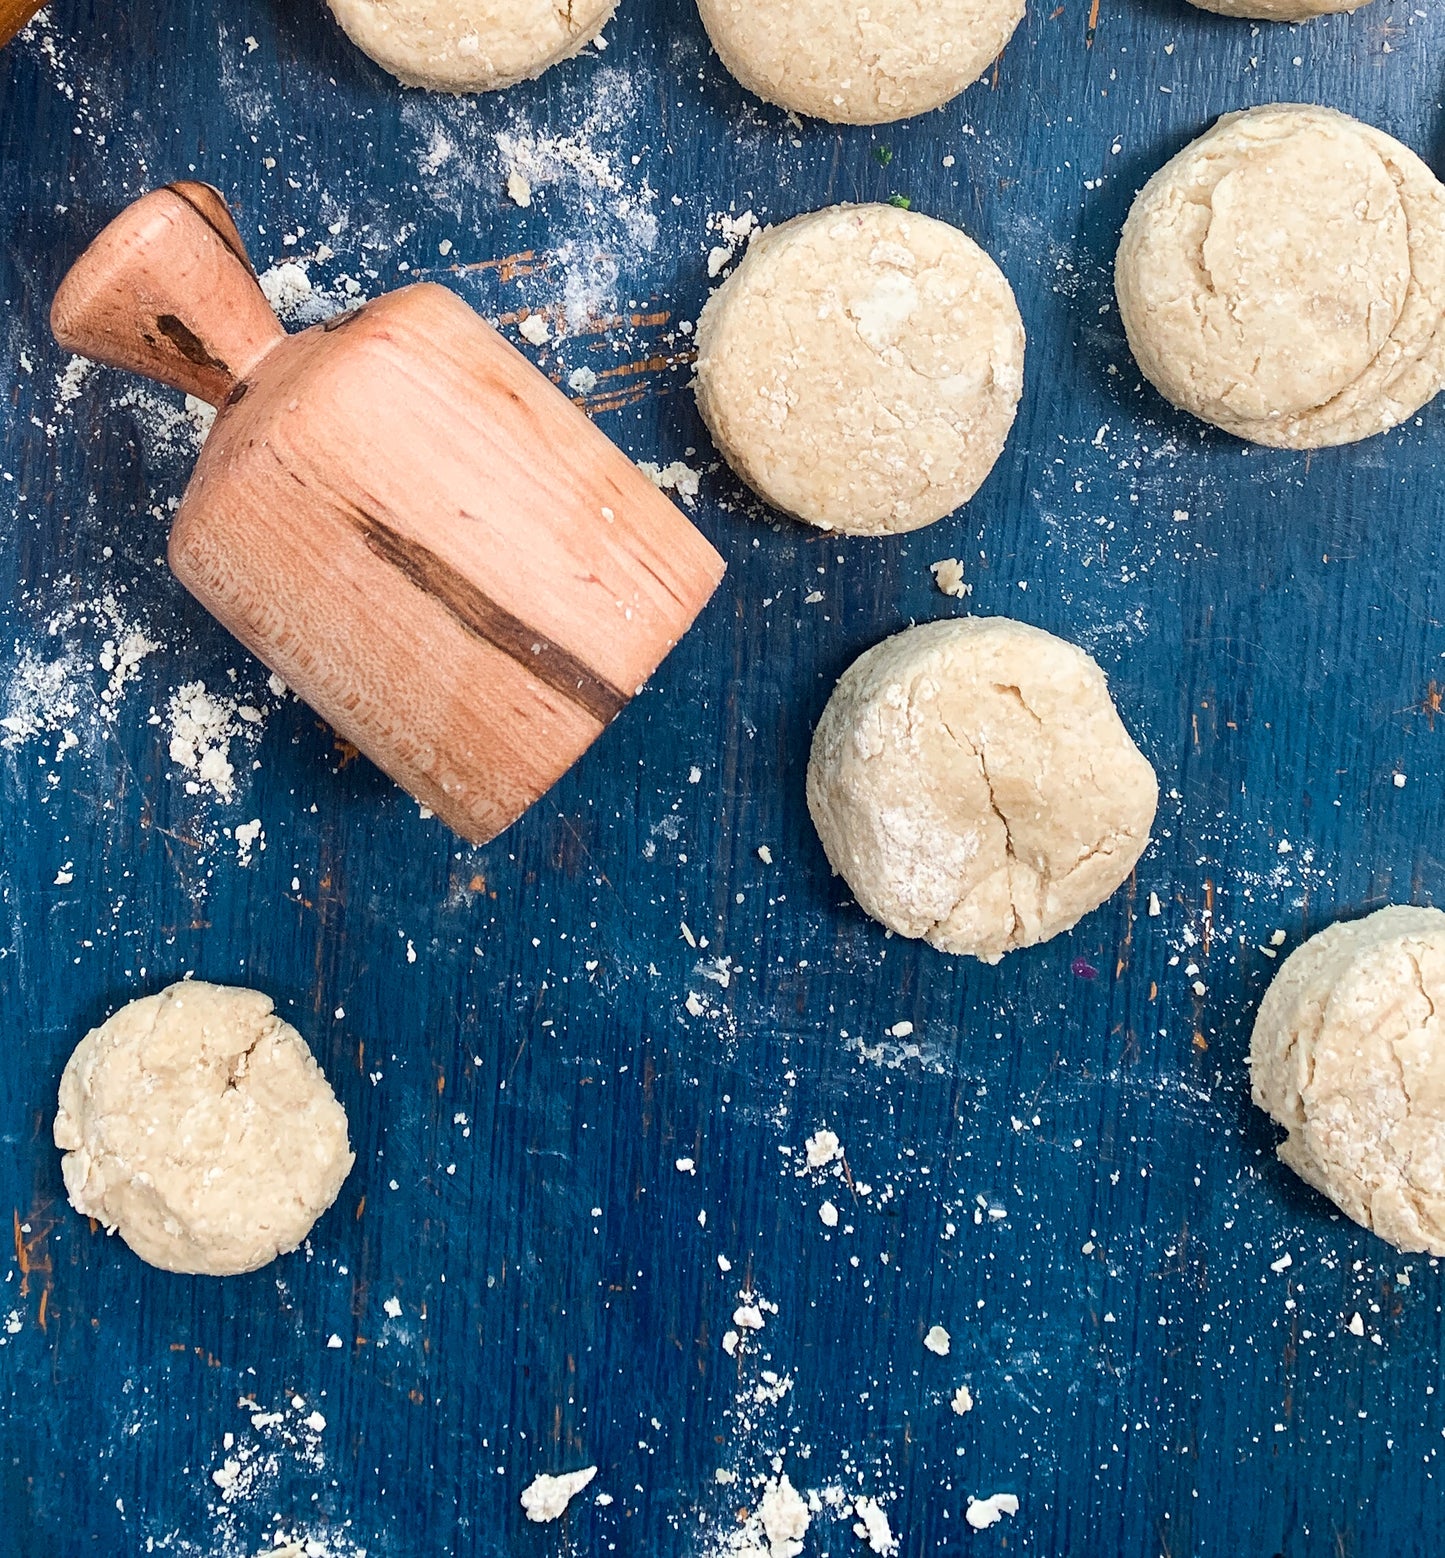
509, 1028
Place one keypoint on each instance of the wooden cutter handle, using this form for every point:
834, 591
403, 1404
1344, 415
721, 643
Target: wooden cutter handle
13, 16
167, 291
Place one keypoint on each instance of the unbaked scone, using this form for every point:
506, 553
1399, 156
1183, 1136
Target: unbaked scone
861, 368
1284, 278
196, 1124
1278, 10
973, 784
856, 63
470, 45
1348, 1055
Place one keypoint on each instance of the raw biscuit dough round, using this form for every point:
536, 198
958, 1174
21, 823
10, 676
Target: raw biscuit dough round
1278, 10
856, 63
974, 785
861, 368
197, 1125
1284, 278
470, 45
1348, 1055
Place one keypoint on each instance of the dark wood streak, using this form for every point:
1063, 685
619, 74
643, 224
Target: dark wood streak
481, 616
188, 343
214, 225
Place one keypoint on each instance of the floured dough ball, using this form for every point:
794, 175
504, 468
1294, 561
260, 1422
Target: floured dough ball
1284, 278
856, 63
470, 45
1348, 1055
861, 368
973, 785
1279, 10
196, 1124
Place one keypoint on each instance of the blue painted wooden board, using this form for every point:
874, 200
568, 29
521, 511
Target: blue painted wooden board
509, 1028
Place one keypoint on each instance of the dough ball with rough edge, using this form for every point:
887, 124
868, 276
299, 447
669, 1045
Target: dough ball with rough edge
1348, 1055
856, 63
861, 368
973, 784
1284, 278
196, 1124
470, 45
1278, 10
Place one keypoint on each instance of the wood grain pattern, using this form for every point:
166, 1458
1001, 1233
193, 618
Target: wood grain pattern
397, 513
168, 291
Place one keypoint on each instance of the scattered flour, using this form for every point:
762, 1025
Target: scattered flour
291, 290
201, 728
249, 836
57, 694
172, 427
67, 386
735, 232
873, 1527
784, 1517
546, 1498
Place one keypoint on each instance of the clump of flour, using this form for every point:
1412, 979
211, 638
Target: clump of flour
201, 726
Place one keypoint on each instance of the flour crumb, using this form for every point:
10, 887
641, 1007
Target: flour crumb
70, 380
685, 1166
872, 1525
287, 286
938, 1341
679, 477
962, 1402
985, 1512
736, 232
582, 381
534, 328
393, 1307
201, 728
765, 854
519, 188
828, 1214
748, 1317
948, 576
1356, 1327
785, 1518
546, 1498
248, 836
823, 1147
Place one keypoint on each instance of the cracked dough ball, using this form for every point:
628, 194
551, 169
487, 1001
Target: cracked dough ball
973, 785
1284, 278
196, 1124
861, 368
855, 63
470, 45
1278, 10
1348, 1055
